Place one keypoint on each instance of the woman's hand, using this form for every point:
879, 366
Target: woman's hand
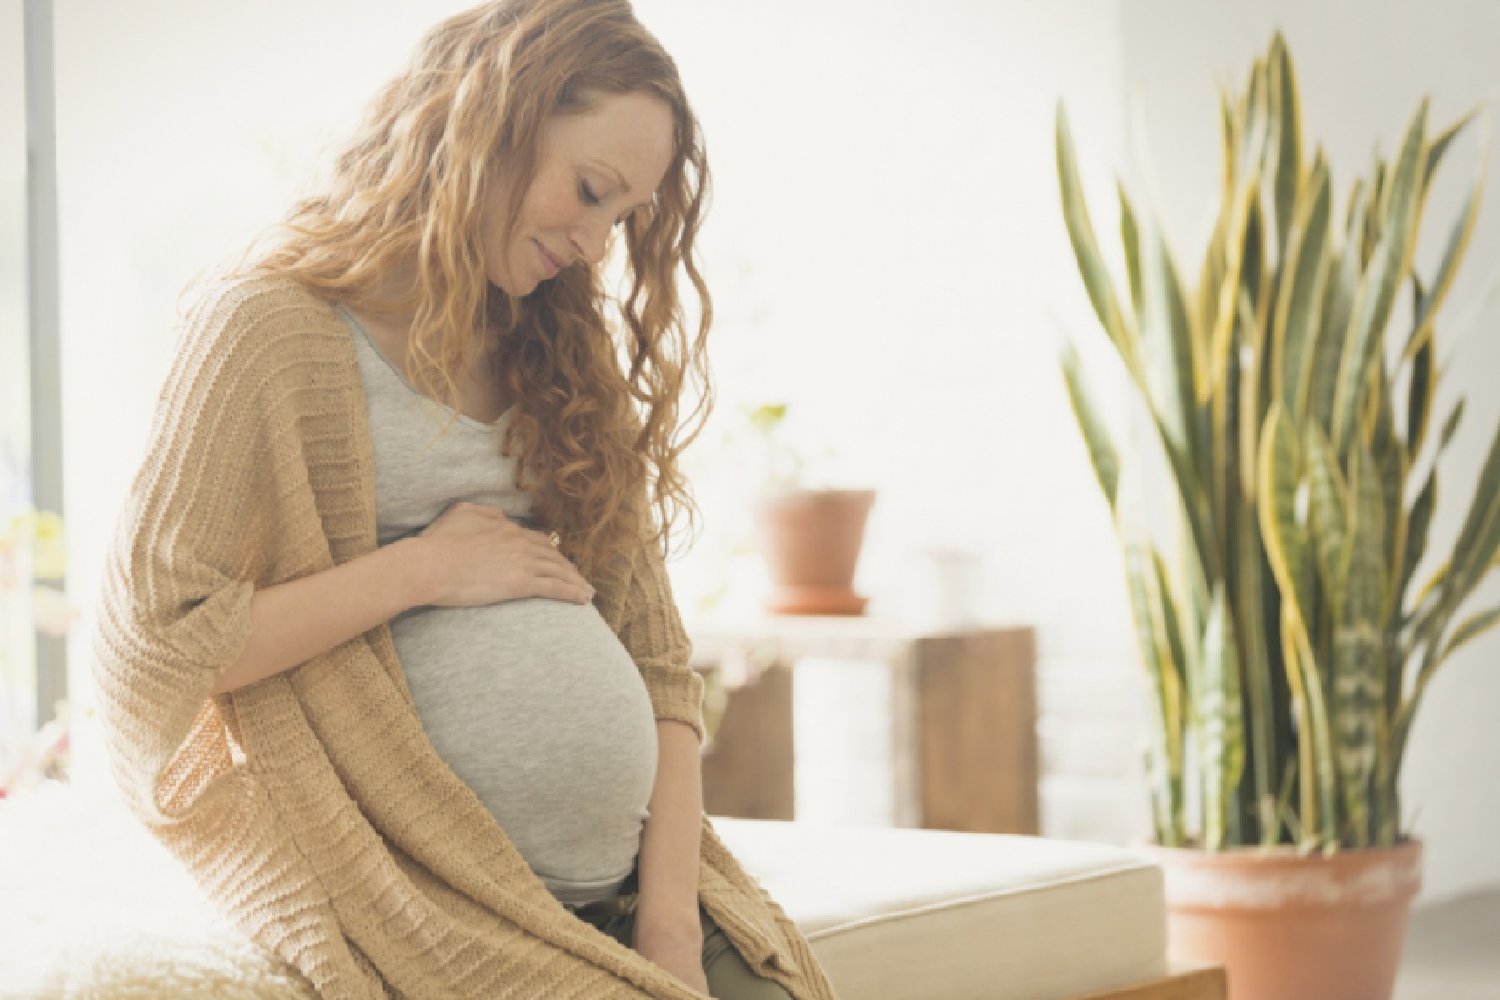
676, 947
476, 555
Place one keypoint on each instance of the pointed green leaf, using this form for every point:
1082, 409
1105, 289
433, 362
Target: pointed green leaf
1342, 289
1479, 538
1365, 588
1281, 529
1221, 720
1440, 144
1301, 299
1450, 426
1287, 107
1167, 344
1091, 266
1422, 389
1330, 517
1418, 524
1471, 628
1103, 455
1130, 239
1377, 290
1165, 759
1459, 235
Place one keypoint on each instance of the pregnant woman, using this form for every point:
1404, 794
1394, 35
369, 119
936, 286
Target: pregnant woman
387, 651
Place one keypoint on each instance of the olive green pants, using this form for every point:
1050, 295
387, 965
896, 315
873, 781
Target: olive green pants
729, 978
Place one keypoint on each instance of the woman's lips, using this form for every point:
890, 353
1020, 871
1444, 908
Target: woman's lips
550, 265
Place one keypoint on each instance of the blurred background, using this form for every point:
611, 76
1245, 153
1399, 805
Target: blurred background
887, 258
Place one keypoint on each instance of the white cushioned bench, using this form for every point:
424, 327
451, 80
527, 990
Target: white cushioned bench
91, 906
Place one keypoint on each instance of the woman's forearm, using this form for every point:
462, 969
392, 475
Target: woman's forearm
295, 621
670, 841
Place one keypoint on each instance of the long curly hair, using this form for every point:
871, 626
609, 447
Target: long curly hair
408, 186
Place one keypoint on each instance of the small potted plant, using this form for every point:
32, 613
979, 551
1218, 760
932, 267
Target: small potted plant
810, 537
1287, 641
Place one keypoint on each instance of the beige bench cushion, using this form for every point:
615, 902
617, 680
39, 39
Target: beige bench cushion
91, 906
933, 915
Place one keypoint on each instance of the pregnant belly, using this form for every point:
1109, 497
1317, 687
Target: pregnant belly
537, 706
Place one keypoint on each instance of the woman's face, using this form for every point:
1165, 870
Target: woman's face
592, 170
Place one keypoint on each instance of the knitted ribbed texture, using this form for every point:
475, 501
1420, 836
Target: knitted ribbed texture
311, 806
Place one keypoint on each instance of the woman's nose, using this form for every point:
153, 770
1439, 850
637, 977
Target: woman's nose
590, 238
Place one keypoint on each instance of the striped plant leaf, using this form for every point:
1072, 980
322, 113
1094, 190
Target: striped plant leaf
1417, 525
1439, 147
1370, 222
1206, 300
1338, 303
1264, 750
1361, 345
1130, 240
1439, 578
1184, 648
1306, 679
1307, 763
1254, 114
1282, 531
1450, 425
1459, 235
1479, 538
1330, 513
1165, 754
1391, 467
1471, 628
1167, 345
1358, 671
1354, 209
1249, 576
1167, 384
1304, 278
1423, 386
1285, 107
1104, 457
1476, 550
1221, 721
1091, 266
1229, 142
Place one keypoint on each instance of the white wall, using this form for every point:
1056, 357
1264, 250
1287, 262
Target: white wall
1363, 68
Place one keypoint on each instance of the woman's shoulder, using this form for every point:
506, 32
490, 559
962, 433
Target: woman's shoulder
256, 314
252, 301
259, 338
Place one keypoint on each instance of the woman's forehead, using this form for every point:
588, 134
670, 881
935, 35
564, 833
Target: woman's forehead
627, 137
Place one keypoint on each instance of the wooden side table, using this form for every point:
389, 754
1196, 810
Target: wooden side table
951, 715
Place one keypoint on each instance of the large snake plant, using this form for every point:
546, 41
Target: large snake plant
1286, 647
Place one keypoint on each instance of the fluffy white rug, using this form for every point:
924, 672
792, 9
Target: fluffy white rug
92, 908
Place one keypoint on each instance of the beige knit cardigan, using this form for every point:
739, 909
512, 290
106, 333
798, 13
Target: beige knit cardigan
311, 806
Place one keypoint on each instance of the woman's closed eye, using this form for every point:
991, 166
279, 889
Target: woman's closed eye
588, 197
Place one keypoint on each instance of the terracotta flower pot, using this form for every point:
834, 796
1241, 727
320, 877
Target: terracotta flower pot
1293, 928
811, 541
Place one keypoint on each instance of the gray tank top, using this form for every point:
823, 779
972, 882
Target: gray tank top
533, 703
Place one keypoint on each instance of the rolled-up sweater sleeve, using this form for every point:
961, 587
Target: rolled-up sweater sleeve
188, 546
651, 630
